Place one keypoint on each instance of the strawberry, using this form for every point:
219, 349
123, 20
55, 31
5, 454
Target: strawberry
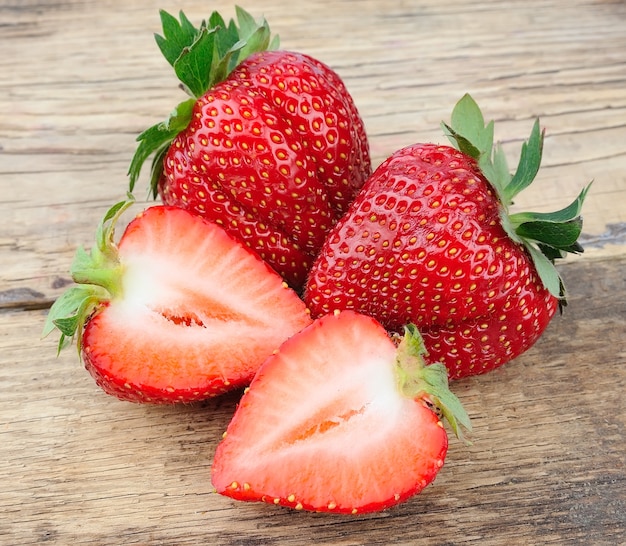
339, 419
178, 311
270, 146
430, 240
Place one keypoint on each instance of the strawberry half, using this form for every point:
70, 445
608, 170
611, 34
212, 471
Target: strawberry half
339, 419
430, 240
270, 146
178, 311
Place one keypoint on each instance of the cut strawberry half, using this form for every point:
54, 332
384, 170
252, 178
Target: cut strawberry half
178, 311
340, 419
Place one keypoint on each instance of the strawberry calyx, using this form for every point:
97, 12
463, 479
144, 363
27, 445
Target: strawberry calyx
546, 236
97, 275
201, 57
419, 381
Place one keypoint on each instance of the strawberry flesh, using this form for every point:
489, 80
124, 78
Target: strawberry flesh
195, 312
324, 426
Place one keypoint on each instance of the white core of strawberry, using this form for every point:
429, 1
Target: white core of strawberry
361, 401
210, 286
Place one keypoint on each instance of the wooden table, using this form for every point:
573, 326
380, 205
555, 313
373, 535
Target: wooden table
80, 79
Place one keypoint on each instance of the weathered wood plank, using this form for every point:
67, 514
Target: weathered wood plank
77, 466
82, 78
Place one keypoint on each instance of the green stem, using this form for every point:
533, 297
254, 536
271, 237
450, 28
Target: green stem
109, 279
417, 380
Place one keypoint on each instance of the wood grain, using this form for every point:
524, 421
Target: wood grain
82, 78
547, 458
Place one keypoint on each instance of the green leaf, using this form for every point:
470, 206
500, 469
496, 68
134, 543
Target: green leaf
193, 66
70, 311
467, 120
66, 305
256, 36
436, 377
247, 24
551, 252
216, 21
547, 272
82, 259
257, 41
556, 233
226, 38
223, 65
501, 175
67, 325
461, 143
106, 228
546, 236
469, 134
559, 235
570, 212
529, 163
150, 141
176, 36
156, 169
196, 52
101, 266
157, 138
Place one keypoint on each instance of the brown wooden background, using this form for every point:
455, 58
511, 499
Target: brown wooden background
81, 78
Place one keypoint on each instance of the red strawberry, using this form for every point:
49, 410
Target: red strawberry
340, 420
430, 240
178, 312
271, 146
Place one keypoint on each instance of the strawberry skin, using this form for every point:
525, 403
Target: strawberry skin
188, 312
272, 149
423, 243
332, 423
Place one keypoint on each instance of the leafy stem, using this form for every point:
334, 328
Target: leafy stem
546, 236
201, 57
97, 275
417, 380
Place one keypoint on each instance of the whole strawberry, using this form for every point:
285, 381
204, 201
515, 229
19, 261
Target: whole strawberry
429, 240
270, 146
